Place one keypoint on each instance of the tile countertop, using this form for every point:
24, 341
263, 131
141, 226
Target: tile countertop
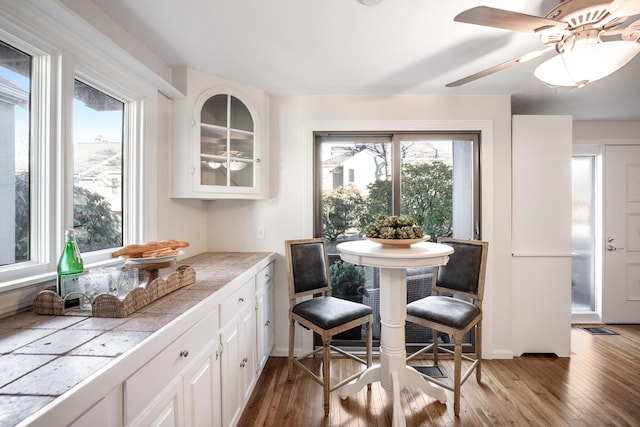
42, 357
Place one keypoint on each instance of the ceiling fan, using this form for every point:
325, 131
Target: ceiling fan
579, 32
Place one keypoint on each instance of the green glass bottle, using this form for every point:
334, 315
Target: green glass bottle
70, 267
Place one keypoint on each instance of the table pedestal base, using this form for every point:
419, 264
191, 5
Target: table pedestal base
411, 377
393, 372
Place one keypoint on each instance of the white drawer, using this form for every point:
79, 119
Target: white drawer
237, 302
264, 276
148, 381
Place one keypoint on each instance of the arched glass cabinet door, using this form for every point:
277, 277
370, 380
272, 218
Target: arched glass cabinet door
227, 152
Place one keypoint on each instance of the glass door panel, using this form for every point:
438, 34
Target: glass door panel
240, 116
439, 184
583, 295
360, 177
355, 187
227, 144
214, 111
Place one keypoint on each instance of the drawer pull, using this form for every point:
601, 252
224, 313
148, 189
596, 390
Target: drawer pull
241, 299
184, 353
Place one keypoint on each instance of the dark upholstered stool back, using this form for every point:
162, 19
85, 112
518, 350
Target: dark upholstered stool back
462, 272
309, 264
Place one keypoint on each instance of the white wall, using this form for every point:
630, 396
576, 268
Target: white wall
605, 130
287, 214
175, 218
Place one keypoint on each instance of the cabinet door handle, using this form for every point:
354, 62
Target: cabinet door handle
267, 323
241, 299
244, 362
184, 353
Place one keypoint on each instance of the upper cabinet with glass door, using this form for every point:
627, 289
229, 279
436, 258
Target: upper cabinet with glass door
227, 155
222, 159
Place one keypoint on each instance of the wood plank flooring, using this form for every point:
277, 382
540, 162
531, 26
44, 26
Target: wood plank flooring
599, 385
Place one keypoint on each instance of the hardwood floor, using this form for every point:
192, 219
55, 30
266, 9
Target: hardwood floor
599, 385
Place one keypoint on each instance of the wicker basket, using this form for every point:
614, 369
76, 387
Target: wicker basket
107, 305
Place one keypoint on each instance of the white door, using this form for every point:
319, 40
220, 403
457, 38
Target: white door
621, 286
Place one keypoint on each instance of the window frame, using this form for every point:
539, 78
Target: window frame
54, 70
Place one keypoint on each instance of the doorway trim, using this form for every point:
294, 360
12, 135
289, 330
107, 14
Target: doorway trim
484, 127
586, 146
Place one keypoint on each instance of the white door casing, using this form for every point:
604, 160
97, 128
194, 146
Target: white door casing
621, 284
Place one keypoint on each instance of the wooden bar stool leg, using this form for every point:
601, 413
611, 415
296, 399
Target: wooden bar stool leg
292, 331
326, 372
457, 375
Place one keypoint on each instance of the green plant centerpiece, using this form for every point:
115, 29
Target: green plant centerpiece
347, 280
394, 227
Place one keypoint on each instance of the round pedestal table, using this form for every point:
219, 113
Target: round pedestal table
392, 372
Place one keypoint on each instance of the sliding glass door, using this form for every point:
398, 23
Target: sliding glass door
432, 177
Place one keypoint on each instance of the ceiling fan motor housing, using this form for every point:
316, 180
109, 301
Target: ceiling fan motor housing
577, 14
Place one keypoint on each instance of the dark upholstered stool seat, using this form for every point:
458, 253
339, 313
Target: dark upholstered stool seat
447, 311
329, 312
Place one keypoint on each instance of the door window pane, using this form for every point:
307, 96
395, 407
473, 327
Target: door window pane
583, 234
98, 128
427, 185
15, 97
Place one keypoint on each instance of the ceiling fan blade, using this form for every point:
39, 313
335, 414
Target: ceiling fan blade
515, 61
505, 19
620, 8
632, 32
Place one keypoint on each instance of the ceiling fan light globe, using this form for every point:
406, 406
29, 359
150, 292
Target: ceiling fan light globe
586, 64
235, 165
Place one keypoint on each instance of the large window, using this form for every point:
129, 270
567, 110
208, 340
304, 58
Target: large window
432, 177
70, 137
15, 108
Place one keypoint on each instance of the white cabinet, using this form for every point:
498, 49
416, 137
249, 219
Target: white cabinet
219, 143
166, 410
264, 314
179, 386
238, 358
206, 376
202, 390
541, 234
107, 412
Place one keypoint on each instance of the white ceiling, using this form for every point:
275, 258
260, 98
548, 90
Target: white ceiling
398, 47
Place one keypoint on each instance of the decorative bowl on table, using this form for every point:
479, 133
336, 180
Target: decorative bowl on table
397, 231
403, 243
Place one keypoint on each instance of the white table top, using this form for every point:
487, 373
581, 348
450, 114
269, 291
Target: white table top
365, 252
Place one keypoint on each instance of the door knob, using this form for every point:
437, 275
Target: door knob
612, 248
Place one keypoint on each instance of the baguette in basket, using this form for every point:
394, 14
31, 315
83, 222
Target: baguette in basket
151, 249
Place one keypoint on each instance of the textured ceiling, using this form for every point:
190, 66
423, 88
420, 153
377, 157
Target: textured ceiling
397, 47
